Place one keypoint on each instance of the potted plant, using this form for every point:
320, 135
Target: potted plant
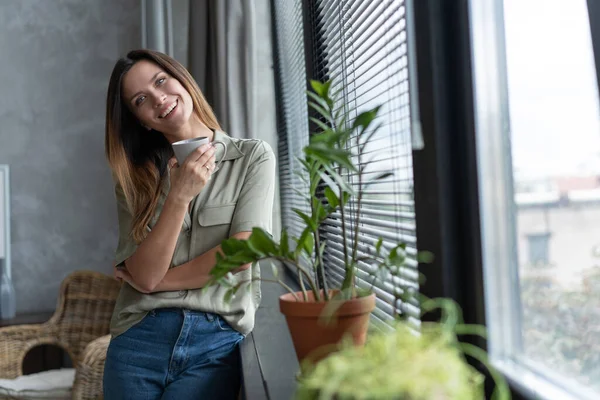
335, 152
399, 364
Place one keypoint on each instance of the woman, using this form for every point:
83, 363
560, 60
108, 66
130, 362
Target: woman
170, 338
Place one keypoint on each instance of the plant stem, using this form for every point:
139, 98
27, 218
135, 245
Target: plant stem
279, 281
311, 282
320, 270
301, 280
321, 266
343, 216
358, 204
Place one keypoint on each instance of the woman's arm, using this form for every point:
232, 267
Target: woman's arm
195, 273
191, 275
151, 260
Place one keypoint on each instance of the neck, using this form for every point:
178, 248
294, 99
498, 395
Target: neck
193, 129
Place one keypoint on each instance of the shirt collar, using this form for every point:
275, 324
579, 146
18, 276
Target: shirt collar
233, 151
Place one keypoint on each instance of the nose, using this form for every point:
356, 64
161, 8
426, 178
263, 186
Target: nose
159, 98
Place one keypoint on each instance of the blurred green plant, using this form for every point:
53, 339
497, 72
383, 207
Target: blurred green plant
403, 364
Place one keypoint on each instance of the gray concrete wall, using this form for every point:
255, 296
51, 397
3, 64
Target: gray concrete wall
56, 60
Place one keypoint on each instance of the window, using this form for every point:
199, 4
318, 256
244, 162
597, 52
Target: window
364, 48
538, 143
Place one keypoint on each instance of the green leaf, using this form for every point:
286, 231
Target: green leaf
320, 110
284, 246
241, 258
378, 245
318, 87
346, 197
365, 118
327, 86
396, 257
330, 156
305, 242
309, 244
321, 89
322, 248
326, 128
425, 257
262, 242
318, 99
367, 140
339, 180
378, 177
311, 224
383, 175
233, 245
332, 199
320, 211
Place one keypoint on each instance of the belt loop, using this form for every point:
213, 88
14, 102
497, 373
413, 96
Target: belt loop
209, 316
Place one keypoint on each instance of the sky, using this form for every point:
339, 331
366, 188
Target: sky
553, 93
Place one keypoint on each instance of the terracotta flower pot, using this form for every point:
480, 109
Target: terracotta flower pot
314, 335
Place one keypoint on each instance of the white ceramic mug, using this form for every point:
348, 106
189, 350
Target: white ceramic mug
183, 148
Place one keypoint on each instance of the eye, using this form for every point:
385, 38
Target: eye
160, 81
140, 100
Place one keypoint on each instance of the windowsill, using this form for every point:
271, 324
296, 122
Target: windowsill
269, 363
535, 386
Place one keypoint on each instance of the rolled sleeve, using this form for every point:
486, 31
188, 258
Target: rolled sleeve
126, 246
254, 206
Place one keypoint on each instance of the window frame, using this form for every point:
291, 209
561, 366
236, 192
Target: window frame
498, 212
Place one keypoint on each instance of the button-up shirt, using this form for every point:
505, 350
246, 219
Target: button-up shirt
238, 197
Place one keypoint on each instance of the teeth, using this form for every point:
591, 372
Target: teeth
168, 111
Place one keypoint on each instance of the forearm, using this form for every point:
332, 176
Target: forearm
195, 274
151, 261
191, 275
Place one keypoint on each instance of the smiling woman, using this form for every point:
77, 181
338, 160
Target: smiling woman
171, 339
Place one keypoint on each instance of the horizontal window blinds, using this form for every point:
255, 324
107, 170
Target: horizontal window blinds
363, 47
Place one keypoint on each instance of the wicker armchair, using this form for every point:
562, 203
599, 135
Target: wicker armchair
80, 325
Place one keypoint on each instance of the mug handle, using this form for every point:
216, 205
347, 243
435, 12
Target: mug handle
215, 142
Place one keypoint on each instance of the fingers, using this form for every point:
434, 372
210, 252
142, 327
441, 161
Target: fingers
207, 158
199, 152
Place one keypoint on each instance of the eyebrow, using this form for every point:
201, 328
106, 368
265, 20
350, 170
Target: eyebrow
151, 80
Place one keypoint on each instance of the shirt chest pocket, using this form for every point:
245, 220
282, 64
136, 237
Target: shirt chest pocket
215, 221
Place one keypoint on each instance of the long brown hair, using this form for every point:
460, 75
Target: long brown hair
137, 157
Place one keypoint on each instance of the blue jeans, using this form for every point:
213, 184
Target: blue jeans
174, 354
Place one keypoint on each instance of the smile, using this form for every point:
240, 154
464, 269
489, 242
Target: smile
169, 110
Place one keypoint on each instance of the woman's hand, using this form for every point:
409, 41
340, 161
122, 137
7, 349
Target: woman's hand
121, 274
190, 178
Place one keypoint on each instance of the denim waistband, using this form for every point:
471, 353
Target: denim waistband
183, 311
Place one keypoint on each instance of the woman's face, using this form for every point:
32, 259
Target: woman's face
156, 98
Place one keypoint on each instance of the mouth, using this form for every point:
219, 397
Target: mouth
169, 111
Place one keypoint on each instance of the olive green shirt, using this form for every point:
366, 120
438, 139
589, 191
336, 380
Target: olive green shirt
238, 197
